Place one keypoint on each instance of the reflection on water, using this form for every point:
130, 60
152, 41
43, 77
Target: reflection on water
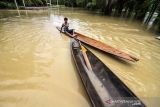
36, 68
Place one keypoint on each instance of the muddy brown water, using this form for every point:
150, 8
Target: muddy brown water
37, 70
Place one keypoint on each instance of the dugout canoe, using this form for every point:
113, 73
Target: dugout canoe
158, 37
101, 46
103, 87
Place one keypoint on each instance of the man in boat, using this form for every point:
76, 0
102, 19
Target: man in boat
65, 27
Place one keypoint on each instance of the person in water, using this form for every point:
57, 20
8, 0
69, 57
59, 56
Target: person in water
65, 27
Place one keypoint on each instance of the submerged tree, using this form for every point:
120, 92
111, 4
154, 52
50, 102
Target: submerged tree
153, 7
156, 24
141, 8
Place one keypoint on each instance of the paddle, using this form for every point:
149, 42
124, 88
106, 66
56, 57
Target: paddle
98, 85
83, 49
59, 30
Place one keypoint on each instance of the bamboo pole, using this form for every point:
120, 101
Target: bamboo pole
24, 6
15, 1
57, 2
50, 2
24, 3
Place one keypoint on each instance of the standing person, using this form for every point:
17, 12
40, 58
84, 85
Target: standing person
65, 26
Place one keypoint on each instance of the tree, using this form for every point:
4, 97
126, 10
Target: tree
153, 8
156, 24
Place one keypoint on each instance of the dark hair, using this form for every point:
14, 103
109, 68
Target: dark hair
65, 18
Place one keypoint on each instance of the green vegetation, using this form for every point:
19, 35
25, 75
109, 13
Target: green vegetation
135, 9
10, 3
33, 2
7, 5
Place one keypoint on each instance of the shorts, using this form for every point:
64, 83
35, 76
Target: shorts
69, 31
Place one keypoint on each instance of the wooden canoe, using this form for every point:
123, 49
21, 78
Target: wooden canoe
101, 46
158, 37
103, 87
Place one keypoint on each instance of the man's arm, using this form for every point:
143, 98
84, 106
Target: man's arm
61, 28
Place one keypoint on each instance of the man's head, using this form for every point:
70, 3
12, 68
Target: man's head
65, 19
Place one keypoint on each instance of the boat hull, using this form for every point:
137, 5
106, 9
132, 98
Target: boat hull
158, 37
116, 89
101, 46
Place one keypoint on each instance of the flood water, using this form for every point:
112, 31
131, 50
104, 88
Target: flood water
37, 70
